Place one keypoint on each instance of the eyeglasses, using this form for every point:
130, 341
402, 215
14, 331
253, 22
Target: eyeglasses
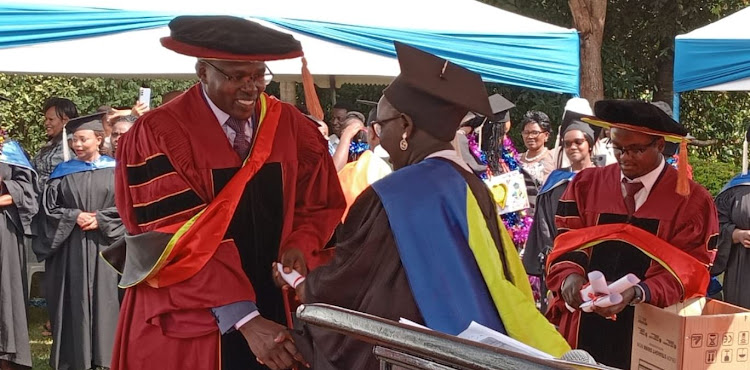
532, 134
577, 142
633, 149
378, 125
258, 80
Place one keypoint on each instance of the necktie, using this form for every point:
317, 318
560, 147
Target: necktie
630, 189
240, 144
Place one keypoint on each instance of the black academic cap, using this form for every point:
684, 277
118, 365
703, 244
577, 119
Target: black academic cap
4, 98
229, 38
500, 107
434, 92
585, 128
640, 116
90, 122
647, 118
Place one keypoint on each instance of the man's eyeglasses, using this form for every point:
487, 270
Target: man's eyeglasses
378, 125
633, 149
259, 80
577, 142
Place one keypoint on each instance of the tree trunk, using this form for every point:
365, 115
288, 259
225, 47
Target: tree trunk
664, 75
588, 19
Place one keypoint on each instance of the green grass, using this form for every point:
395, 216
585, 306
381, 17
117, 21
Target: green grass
40, 345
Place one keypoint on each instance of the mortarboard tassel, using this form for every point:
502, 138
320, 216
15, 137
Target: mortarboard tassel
66, 150
311, 97
683, 185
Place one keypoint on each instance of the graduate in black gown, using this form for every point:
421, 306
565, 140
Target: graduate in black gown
18, 201
80, 221
733, 255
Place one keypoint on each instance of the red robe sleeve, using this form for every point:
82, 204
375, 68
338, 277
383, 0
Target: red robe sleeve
696, 233
319, 201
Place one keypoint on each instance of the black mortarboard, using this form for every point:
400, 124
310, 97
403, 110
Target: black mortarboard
646, 118
229, 38
4, 98
640, 116
238, 39
435, 93
500, 108
91, 122
585, 128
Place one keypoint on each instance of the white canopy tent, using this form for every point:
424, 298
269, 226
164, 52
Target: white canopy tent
715, 57
138, 53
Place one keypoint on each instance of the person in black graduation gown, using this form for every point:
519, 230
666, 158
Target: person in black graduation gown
18, 201
733, 250
80, 221
578, 142
402, 250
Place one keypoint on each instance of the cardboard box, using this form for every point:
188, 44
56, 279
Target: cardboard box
698, 334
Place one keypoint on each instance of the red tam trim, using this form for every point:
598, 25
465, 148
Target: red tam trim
201, 52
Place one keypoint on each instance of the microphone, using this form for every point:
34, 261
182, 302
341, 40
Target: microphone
579, 356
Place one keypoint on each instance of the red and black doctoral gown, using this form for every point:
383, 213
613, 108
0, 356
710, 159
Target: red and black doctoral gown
173, 164
672, 266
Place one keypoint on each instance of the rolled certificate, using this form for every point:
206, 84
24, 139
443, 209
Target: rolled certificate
293, 278
597, 286
605, 301
624, 283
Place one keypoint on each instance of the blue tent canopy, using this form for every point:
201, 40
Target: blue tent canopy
541, 60
715, 57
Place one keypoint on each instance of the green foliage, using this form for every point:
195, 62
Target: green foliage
712, 174
23, 119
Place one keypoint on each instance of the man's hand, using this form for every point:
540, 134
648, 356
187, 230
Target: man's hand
271, 343
293, 259
571, 290
607, 312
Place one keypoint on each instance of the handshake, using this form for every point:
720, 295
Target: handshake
597, 294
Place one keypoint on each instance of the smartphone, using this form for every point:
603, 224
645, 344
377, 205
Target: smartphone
144, 96
600, 160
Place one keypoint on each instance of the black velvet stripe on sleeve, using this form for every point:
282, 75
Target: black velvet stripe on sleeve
577, 257
154, 167
166, 207
713, 243
567, 209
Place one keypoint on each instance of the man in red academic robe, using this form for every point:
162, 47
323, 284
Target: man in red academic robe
213, 188
639, 216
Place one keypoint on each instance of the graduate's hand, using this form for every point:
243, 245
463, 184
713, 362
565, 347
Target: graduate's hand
271, 343
742, 237
611, 311
84, 219
571, 290
92, 225
293, 259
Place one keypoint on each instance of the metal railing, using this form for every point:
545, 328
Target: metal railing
414, 348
